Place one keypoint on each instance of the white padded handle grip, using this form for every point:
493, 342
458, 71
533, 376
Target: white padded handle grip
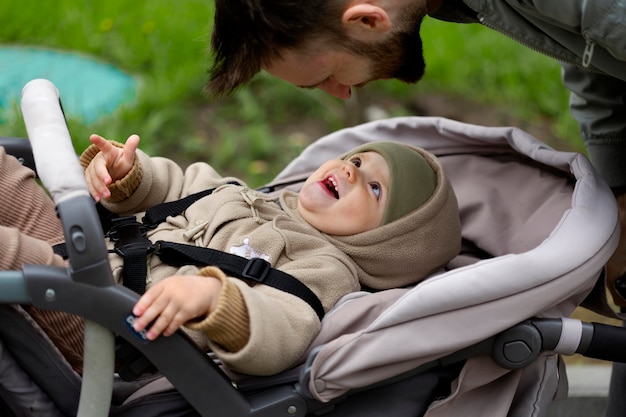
53, 151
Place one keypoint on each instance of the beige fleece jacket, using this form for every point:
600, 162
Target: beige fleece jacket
277, 326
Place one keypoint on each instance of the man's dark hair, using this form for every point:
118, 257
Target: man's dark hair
248, 34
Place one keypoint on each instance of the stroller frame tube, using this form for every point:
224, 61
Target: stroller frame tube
13, 288
53, 288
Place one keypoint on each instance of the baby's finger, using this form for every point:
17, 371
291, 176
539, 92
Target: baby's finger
131, 145
127, 158
175, 324
99, 141
148, 307
98, 180
109, 153
166, 323
101, 172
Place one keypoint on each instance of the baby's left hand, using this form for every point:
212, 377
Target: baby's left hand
173, 302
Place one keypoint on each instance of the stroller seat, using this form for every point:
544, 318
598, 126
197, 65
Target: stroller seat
538, 228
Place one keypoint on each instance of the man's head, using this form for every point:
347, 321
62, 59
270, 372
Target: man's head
327, 44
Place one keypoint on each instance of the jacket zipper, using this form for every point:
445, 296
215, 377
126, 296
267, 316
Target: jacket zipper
587, 54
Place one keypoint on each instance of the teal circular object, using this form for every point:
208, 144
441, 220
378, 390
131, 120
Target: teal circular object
89, 89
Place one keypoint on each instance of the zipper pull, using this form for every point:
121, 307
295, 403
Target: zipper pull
588, 53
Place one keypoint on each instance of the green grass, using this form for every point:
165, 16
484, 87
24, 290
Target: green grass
256, 131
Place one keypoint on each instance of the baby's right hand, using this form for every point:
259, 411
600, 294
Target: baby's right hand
109, 165
170, 303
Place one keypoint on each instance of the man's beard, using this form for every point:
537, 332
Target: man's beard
400, 57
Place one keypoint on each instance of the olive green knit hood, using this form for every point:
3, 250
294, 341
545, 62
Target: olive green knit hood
411, 179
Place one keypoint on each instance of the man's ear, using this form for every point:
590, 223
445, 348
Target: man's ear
366, 17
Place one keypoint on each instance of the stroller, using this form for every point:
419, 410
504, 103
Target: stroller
481, 338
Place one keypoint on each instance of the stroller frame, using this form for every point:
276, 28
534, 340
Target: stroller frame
87, 289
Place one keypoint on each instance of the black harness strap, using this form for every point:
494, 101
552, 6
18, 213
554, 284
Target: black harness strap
254, 269
130, 238
157, 214
61, 250
133, 245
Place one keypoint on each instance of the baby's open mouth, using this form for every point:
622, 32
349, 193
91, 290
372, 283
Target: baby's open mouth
331, 185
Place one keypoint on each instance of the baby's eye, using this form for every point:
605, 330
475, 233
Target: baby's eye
376, 188
356, 161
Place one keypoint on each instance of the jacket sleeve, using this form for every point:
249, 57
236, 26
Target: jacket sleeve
154, 180
229, 324
598, 103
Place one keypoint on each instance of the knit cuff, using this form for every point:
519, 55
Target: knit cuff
122, 188
229, 324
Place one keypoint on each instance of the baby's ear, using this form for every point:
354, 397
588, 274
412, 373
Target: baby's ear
363, 21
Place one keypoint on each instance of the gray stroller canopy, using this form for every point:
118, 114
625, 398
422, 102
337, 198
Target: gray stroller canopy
543, 217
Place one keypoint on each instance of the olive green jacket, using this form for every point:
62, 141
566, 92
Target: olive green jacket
589, 39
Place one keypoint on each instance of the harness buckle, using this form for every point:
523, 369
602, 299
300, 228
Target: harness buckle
129, 235
256, 269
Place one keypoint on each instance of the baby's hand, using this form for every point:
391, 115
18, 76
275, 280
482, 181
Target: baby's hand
110, 164
173, 302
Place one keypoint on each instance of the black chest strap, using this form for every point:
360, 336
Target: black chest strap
157, 214
255, 269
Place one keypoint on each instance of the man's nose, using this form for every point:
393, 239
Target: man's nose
336, 89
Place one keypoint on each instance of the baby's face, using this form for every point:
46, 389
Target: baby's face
346, 197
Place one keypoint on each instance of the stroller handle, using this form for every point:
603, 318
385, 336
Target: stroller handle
607, 343
53, 151
59, 170
62, 175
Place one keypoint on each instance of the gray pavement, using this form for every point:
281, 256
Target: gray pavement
588, 390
